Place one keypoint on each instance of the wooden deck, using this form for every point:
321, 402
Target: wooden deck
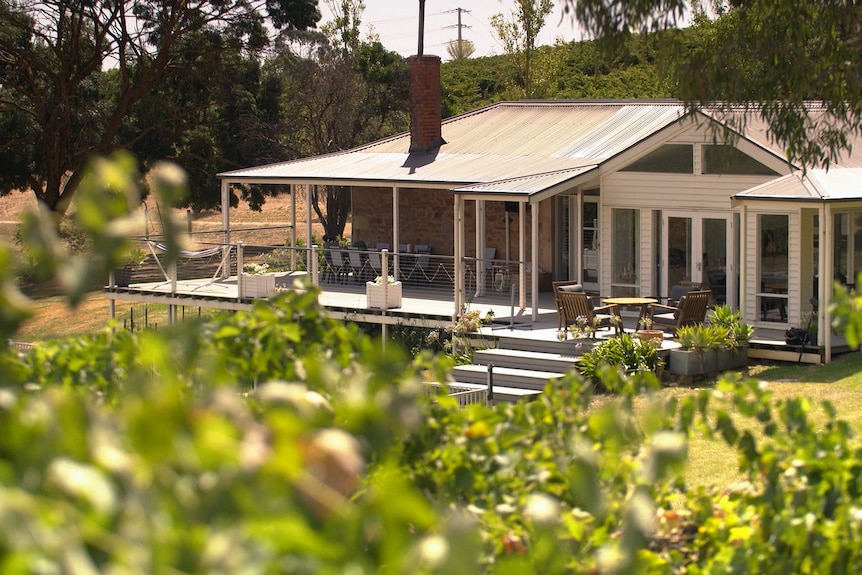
429, 307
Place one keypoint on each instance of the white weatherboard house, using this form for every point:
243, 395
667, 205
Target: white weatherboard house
628, 197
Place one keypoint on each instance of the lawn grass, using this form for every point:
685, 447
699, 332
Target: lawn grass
712, 463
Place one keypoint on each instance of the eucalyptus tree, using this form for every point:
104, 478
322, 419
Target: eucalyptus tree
335, 93
56, 107
769, 57
519, 35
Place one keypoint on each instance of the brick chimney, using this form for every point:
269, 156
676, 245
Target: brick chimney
426, 109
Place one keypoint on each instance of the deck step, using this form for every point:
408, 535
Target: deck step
505, 376
501, 393
528, 360
543, 344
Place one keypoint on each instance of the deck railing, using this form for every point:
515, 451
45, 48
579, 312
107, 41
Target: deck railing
463, 395
328, 266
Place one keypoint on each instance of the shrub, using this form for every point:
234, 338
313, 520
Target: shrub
624, 353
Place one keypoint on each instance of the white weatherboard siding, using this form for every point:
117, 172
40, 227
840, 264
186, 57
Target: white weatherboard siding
674, 191
645, 252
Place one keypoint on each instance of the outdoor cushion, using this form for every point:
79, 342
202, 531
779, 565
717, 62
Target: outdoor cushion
577, 288
678, 307
677, 292
666, 317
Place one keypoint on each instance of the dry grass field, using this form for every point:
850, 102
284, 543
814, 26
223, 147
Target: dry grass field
52, 316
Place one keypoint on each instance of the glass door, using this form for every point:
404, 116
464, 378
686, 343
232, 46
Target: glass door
696, 249
590, 244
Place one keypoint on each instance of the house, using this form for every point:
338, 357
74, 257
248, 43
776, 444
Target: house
629, 197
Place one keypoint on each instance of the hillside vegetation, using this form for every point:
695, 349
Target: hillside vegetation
573, 70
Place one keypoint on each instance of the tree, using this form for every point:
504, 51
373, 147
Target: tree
335, 96
769, 58
343, 30
460, 49
53, 108
519, 35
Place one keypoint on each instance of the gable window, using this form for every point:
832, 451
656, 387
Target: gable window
668, 159
725, 159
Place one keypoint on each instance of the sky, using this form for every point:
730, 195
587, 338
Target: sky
396, 22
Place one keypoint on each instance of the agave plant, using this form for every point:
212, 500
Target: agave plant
737, 332
701, 337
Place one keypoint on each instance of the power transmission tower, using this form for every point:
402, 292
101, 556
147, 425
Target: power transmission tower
459, 25
460, 49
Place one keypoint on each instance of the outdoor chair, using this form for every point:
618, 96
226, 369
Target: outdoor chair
576, 305
330, 269
569, 285
340, 264
691, 310
376, 262
422, 261
678, 291
357, 266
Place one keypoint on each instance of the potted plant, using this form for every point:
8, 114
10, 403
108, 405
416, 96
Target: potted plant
256, 281
624, 352
733, 353
697, 352
134, 260
646, 333
380, 294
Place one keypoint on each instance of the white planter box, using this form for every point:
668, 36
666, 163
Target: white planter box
254, 286
374, 295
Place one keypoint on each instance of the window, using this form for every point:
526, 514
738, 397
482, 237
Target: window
670, 158
773, 259
725, 159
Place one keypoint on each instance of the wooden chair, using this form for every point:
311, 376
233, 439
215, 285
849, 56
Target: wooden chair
566, 285
691, 310
579, 304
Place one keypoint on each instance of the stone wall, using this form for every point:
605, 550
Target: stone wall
427, 219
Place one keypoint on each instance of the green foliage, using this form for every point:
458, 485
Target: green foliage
551, 486
738, 333
53, 123
775, 56
565, 70
701, 337
624, 354
846, 310
278, 440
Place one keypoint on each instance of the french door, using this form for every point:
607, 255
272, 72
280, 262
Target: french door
697, 248
577, 251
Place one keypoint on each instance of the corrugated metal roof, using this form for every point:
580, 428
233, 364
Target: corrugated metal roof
511, 147
758, 130
831, 185
500, 142
526, 185
838, 184
790, 186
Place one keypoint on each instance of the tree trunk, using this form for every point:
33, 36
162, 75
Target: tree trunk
337, 201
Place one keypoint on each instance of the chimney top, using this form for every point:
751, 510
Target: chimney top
426, 108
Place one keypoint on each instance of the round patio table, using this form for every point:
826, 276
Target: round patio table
641, 301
